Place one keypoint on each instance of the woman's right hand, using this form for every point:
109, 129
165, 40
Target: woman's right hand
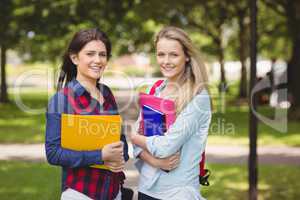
113, 152
168, 163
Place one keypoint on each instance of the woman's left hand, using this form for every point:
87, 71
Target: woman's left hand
138, 139
168, 163
115, 166
132, 136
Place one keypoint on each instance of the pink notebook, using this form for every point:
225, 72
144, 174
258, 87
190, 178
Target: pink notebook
165, 106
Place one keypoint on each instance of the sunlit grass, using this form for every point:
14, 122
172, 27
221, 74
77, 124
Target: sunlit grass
31, 181
28, 181
231, 182
13, 70
23, 122
228, 127
232, 127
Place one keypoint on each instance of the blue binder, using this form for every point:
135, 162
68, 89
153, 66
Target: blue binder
154, 121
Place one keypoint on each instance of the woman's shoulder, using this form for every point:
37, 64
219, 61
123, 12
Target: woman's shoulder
201, 101
62, 93
57, 103
103, 86
105, 90
203, 94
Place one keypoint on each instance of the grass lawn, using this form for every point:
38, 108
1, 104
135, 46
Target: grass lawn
228, 128
231, 182
28, 181
232, 128
17, 126
33, 181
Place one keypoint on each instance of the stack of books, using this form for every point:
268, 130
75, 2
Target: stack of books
158, 114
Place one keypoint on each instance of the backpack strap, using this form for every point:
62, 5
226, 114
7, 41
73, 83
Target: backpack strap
204, 173
155, 85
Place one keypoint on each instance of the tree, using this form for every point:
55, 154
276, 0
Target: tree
211, 18
142, 22
208, 18
6, 38
273, 41
240, 10
49, 39
243, 40
13, 17
291, 9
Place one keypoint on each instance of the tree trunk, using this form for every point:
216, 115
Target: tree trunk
295, 72
294, 80
3, 95
223, 83
293, 10
222, 65
243, 56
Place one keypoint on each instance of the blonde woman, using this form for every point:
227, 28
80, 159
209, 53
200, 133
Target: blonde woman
179, 150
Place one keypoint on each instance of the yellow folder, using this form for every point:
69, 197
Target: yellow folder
89, 132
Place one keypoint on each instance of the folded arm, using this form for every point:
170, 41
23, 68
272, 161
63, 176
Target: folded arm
194, 119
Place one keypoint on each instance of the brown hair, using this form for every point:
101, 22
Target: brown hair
79, 40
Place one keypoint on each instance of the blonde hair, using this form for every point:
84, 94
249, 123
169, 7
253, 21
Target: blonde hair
194, 78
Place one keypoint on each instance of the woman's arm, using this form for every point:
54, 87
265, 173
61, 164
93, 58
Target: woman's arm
194, 119
139, 140
168, 163
139, 153
57, 155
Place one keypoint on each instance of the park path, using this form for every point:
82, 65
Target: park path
215, 154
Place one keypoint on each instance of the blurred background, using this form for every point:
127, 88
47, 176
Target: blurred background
35, 33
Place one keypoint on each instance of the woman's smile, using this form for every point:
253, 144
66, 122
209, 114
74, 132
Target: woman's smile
96, 68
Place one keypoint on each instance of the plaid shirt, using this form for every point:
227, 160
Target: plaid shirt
98, 184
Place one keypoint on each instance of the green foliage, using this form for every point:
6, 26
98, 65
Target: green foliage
9, 33
42, 29
46, 26
54, 22
274, 40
